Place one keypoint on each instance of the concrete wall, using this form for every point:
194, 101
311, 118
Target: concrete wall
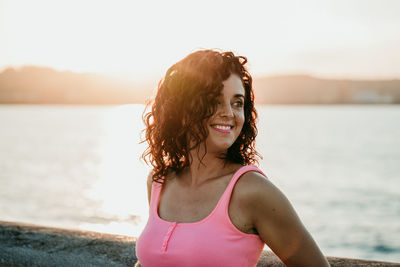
31, 245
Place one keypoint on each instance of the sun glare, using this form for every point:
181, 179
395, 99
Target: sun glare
143, 38
122, 177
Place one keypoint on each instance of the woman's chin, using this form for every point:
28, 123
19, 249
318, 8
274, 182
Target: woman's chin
218, 149
219, 145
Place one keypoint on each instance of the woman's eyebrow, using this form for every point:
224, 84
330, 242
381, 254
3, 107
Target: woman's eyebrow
239, 95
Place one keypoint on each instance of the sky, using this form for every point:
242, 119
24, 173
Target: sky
141, 39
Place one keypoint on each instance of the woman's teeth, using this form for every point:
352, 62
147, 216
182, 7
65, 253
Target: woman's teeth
221, 127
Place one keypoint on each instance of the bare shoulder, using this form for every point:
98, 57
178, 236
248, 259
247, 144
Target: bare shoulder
150, 177
150, 182
254, 186
266, 203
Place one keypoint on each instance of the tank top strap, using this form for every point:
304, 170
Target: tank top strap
225, 199
155, 195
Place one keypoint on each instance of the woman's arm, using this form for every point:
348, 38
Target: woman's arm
137, 264
278, 224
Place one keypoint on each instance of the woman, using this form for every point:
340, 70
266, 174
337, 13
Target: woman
209, 204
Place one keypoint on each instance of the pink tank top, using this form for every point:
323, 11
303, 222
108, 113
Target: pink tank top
213, 241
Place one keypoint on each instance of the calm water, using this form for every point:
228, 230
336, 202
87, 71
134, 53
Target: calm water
78, 167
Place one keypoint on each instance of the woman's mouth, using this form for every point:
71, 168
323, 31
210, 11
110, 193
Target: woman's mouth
222, 128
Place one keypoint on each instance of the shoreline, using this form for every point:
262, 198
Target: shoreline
24, 244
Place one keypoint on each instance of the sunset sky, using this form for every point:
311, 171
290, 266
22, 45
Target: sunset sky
141, 39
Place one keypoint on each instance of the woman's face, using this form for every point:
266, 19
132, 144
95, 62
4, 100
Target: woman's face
226, 124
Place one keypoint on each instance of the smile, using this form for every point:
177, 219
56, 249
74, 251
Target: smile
222, 128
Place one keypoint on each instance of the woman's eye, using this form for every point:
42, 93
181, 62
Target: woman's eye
238, 103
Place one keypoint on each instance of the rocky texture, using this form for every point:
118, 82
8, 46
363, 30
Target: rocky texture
31, 245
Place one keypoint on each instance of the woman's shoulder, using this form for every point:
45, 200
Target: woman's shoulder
150, 177
253, 188
151, 182
149, 185
252, 180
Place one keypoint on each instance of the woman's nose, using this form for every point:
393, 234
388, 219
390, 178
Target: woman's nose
225, 110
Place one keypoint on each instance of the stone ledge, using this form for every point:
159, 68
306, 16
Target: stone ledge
31, 245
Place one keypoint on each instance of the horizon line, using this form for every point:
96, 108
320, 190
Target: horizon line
256, 75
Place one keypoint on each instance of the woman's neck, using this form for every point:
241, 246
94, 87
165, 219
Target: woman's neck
205, 167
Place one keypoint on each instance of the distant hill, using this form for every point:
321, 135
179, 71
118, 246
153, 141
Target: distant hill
38, 85
303, 89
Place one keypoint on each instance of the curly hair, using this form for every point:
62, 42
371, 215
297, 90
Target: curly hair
186, 97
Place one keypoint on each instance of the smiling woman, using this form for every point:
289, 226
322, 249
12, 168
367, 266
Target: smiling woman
205, 194
204, 89
225, 126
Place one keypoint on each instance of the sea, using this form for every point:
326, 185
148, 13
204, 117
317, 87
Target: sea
79, 167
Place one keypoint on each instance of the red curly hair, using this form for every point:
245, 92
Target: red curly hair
186, 98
